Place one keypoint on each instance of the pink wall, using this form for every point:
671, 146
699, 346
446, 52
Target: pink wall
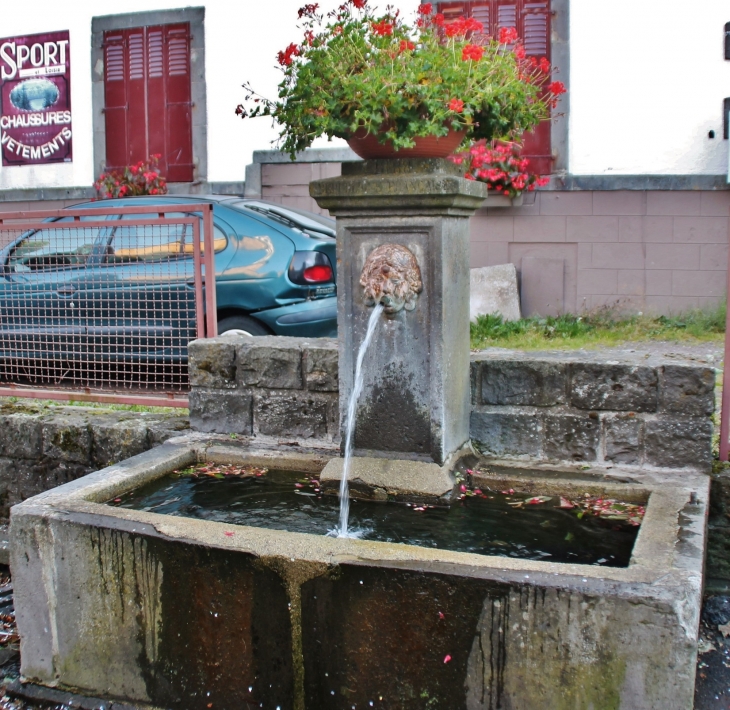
655, 251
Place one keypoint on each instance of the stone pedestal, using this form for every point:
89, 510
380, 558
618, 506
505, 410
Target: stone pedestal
416, 395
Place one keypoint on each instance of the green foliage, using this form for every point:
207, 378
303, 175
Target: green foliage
356, 70
603, 327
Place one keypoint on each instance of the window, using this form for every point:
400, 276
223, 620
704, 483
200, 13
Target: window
147, 98
55, 248
531, 19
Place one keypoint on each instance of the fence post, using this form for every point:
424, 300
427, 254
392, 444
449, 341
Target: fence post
211, 309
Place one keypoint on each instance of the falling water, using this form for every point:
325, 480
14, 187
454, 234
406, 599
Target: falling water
350, 423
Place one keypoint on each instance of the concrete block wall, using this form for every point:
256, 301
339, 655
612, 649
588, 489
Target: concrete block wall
655, 250
562, 407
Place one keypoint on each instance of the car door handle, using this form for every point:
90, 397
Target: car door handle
66, 290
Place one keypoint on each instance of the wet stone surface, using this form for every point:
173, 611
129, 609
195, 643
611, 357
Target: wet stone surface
506, 523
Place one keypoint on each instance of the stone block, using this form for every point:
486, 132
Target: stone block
624, 439
492, 290
687, 390
505, 433
21, 436
160, 430
291, 415
212, 364
67, 437
271, 362
221, 411
620, 388
115, 441
526, 383
676, 443
321, 368
571, 437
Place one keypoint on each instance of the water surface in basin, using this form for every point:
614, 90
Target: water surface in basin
503, 523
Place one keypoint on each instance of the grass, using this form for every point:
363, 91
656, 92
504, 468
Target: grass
602, 328
45, 403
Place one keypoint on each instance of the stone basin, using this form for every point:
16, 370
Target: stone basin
185, 613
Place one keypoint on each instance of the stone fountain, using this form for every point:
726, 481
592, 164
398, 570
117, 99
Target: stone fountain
178, 612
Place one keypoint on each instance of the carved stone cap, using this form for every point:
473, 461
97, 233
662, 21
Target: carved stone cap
401, 186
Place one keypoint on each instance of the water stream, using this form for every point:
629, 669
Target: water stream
341, 530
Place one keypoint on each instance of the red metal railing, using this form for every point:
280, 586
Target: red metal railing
99, 304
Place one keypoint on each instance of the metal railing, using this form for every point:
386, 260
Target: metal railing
99, 304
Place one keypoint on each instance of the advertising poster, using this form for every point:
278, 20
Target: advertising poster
35, 99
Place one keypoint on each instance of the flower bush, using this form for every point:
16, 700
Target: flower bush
501, 166
356, 69
142, 178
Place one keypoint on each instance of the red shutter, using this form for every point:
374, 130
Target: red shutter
535, 33
136, 96
179, 119
531, 18
148, 104
115, 99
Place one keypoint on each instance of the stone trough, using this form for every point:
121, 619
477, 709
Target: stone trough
183, 613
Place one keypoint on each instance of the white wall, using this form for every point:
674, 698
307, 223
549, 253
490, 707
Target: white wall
241, 42
647, 81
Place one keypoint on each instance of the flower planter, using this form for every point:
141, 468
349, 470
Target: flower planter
368, 147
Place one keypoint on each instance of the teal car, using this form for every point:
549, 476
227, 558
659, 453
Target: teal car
127, 292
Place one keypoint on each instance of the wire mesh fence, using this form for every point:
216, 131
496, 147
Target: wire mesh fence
100, 304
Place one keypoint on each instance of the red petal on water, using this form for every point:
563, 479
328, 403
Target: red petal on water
462, 488
441, 615
565, 503
477, 492
447, 658
117, 500
228, 534
298, 485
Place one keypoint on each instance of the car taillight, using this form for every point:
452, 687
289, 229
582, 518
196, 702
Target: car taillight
310, 267
318, 274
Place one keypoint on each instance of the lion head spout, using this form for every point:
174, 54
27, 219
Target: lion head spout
391, 276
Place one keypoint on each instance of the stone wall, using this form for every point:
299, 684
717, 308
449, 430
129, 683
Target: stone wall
42, 447
284, 388
553, 407
582, 407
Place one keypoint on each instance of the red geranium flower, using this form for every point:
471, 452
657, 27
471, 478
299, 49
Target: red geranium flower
520, 52
285, 58
439, 19
544, 65
359, 4
507, 35
382, 28
425, 8
406, 45
557, 88
472, 51
456, 105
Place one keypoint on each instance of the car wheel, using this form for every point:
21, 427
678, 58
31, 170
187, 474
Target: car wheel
241, 325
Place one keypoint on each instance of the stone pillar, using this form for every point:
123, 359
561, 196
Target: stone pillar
416, 396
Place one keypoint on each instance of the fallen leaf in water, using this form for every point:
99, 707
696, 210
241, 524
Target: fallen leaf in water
724, 629
536, 500
565, 503
704, 646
